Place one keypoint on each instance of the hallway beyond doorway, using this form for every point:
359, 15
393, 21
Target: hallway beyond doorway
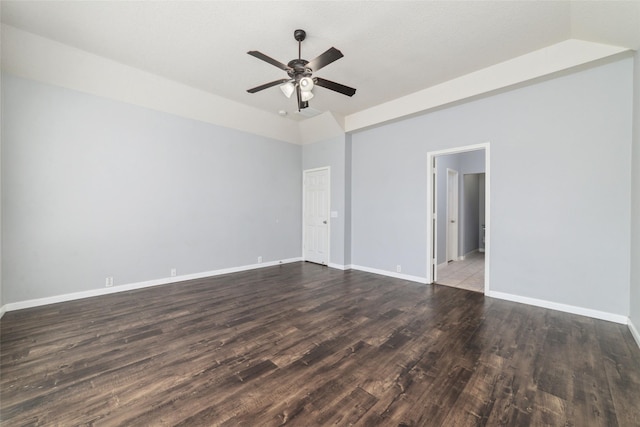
466, 274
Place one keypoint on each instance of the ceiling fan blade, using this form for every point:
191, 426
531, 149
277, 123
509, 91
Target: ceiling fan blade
267, 85
269, 59
345, 90
332, 54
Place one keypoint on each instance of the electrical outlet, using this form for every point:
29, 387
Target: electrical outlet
398, 268
173, 272
259, 260
108, 282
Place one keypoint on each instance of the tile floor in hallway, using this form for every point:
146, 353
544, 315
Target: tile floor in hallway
466, 274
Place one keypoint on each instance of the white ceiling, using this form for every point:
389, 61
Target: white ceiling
391, 48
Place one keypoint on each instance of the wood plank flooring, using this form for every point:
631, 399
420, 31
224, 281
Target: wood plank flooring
305, 345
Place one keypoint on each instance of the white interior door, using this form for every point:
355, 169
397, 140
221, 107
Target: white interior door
452, 215
316, 215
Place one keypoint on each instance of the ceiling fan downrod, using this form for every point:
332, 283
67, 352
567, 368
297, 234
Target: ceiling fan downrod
300, 35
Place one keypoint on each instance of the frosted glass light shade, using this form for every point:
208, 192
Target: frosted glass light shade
288, 89
306, 84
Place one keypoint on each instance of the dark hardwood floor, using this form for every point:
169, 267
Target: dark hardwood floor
305, 345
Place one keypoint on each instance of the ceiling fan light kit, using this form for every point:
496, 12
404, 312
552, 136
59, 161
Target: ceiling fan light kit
306, 95
306, 84
288, 89
300, 73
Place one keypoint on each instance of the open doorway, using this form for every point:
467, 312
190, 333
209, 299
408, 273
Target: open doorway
458, 220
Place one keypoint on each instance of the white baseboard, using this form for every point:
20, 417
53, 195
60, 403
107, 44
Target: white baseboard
596, 314
390, 274
164, 281
139, 285
634, 332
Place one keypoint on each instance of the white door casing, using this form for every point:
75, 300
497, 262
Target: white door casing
315, 211
432, 217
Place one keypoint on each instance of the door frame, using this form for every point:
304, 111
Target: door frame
304, 194
432, 195
450, 241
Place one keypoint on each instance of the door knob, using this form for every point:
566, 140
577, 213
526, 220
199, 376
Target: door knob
324, 222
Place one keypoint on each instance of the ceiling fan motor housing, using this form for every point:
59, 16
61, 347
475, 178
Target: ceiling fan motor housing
299, 35
298, 69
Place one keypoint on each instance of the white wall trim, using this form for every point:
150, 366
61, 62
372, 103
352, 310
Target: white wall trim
596, 314
634, 332
139, 285
164, 281
339, 266
390, 274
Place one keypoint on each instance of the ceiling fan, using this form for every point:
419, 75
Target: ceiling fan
300, 71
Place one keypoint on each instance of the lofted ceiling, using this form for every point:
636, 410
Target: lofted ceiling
391, 48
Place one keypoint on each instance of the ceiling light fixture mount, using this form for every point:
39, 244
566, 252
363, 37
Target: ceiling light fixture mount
300, 73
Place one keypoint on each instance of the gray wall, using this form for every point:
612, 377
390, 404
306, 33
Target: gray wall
332, 153
471, 213
95, 188
560, 185
465, 163
635, 199
1, 262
